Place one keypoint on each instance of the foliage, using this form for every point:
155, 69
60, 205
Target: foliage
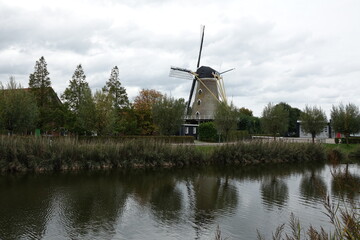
50, 111
40, 78
18, 110
105, 114
275, 119
294, 115
207, 132
257, 152
248, 123
345, 119
85, 122
76, 90
225, 119
246, 111
143, 104
80, 114
313, 121
114, 89
168, 114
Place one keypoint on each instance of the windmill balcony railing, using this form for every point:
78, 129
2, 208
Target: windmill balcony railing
198, 117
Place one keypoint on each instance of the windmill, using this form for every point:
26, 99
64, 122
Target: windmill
209, 87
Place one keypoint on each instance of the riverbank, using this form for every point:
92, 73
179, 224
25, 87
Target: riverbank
41, 154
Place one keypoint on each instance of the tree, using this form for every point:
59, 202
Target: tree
346, 119
115, 90
76, 90
294, 115
313, 121
79, 103
225, 119
207, 132
105, 113
275, 119
168, 114
85, 122
143, 104
246, 111
18, 110
40, 85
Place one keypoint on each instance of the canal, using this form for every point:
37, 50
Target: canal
167, 204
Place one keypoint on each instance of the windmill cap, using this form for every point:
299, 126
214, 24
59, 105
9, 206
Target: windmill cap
206, 72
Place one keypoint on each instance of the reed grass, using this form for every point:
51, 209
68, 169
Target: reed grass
44, 154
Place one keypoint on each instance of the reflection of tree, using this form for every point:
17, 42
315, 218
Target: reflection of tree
93, 201
157, 188
312, 187
211, 194
274, 191
24, 205
166, 202
345, 184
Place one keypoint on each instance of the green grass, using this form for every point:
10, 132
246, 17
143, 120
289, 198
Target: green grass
347, 153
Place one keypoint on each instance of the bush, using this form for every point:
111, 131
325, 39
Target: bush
207, 132
352, 140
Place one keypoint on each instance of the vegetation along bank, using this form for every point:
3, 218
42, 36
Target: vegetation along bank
18, 154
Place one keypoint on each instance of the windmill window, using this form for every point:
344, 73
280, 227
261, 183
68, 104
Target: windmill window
200, 91
186, 130
199, 102
197, 114
194, 130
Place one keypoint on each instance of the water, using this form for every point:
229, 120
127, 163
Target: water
164, 204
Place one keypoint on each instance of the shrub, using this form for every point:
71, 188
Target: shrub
207, 132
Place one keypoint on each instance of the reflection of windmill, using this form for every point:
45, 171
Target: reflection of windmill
209, 88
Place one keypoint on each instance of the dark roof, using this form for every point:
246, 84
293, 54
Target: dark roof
206, 72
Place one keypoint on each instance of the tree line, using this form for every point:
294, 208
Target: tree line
109, 112
281, 120
106, 112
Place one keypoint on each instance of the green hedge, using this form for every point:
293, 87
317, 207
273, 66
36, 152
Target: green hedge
352, 140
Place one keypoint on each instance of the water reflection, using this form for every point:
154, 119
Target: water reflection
22, 203
312, 187
345, 184
146, 203
274, 192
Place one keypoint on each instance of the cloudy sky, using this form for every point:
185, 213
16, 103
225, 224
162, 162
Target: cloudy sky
295, 51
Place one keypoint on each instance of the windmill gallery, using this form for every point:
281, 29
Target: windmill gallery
209, 91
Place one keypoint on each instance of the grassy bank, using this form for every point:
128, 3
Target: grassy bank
42, 154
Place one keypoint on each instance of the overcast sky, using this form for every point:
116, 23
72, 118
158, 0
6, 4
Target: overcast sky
295, 51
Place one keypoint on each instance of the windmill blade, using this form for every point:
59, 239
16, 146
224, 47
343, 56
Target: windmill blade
191, 93
201, 45
181, 73
227, 71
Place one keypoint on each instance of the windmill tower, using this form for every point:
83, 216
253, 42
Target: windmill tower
209, 89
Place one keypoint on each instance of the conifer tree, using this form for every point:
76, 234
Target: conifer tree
116, 91
39, 83
76, 90
79, 103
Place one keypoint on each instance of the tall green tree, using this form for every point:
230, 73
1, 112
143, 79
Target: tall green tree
313, 121
346, 119
79, 103
143, 105
18, 110
105, 114
76, 90
40, 85
294, 116
275, 119
225, 119
115, 90
168, 114
85, 123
